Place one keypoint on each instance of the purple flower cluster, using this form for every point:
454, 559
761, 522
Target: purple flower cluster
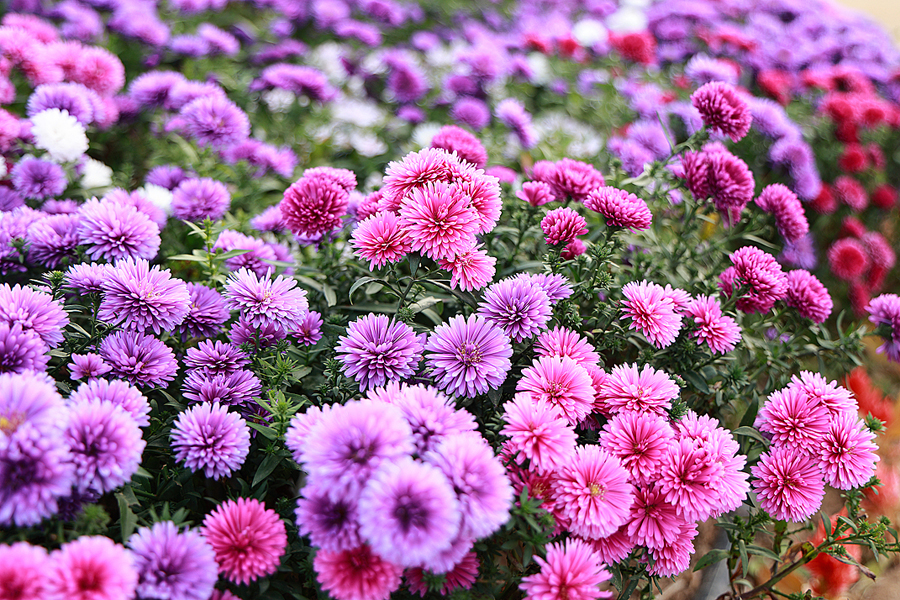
377, 350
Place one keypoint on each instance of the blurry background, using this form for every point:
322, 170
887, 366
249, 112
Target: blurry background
885, 12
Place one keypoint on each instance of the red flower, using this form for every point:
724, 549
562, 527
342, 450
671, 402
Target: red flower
636, 47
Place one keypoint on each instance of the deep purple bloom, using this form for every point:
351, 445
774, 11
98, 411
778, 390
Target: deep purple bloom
142, 298
269, 220
21, 350
258, 256
330, 524
173, 565
141, 359
315, 203
199, 199
33, 310
237, 387
266, 301
215, 121
209, 438
53, 239
243, 332
555, 286
301, 80
468, 356
167, 176
377, 350
38, 179
112, 231
215, 358
472, 112
117, 392
207, 313
716, 173
884, 311
520, 306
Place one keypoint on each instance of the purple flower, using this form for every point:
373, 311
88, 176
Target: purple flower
555, 286
207, 313
512, 114
141, 359
199, 199
377, 350
301, 80
309, 329
21, 350
87, 278
242, 332
37, 179
209, 438
53, 239
702, 69
519, 306
229, 388
112, 231
472, 112
468, 356
265, 301
33, 310
74, 98
330, 524
716, 173
215, 358
173, 565
408, 512
215, 121
258, 255
116, 392
87, 366
781, 202
884, 311
143, 298
269, 220
167, 176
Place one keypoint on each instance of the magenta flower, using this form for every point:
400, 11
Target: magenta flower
560, 342
468, 356
143, 298
722, 109
807, 294
377, 349
570, 572
357, 574
647, 390
829, 394
688, 479
466, 146
620, 208
613, 548
235, 388
568, 178
848, 452
672, 559
539, 431
716, 173
439, 220
562, 225
556, 286
884, 311
561, 382
720, 332
794, 419
848, 259
781, 202
91, 568
471, 269
758, 278
537, 193
653, 522
416, 170
315, 203
788, 484
209, 438
652, 311
53, 239
640, 441
23, 571
381, 239
309, 329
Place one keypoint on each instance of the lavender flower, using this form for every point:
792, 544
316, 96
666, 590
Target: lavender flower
112, 231
209, 438
143, 298
173, 565
519, 306
377, 350
266, 301
207, 313
38, 179
138, 358
33, 310
215, 121
198, 199
21, 350
468, 356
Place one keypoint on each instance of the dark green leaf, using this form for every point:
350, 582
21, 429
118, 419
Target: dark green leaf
265, 469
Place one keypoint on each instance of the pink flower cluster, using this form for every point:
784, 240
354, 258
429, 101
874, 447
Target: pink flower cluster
816, 439
315, 203
398, 481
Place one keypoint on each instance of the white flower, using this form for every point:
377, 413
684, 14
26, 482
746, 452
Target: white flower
158, 196
279, 100
96, 175
540, 68
628, 19
60, 134
3, 169
423, 134
588, 32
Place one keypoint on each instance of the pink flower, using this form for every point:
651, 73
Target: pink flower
613, 548
314, 204
672, 559
848, 259
620, 208
539, 431
570, 572
687, 479
380, 239
417, 169
647, 390
653, 522
829, 394
357, 574
470, 269
722, 109
781, 202
248, 539
562, 225
793, 419
565, 342
568, 178
652, 311
848, 452
640, 440
716, 173
536, 193
720, 332
439, 220
759, 278
563, 383
807, 294
91, 568
788, 484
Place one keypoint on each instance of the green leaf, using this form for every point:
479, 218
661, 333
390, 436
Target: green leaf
191, 257
359, 283
711, 558
426, 302
745, 560
127, 518
330, 296
267, 432
750, 432
697, 381
760, 551
268, 465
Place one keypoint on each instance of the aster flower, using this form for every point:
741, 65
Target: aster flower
377, 350
593, 493
613, 548
356, 574
848, 259
672, 559
472, 112
519, 306
512, 114
86, 278
562, 225
72, 98
556, 286
216, 358
138, 358
111, 231
235, 388
215, 121
21, 350
257, 255
173, 564
38, 179
758, 277
788, 484
207, 312
209, 438
722, 109
242, 332
467, 356
87, 366
716, 173
463, 575
829, 394
23, 571
620, 208
330, 524
848, 452
571, 571
720, 332
266, 301
568, 178
143, 298
539, 431
118, 393
53, 239
60, 134
653, 522
781, 202
537, 193
314, 204
91, 568
466, 146
807, 294
309, 329
640, 441
479, 481
380, 239
561, 341
439, 220
166, 176
33, 310
652, 311
563, 383
688, 478
248, 539
471, 269
416, 170
198, 199
794, 419
884, 311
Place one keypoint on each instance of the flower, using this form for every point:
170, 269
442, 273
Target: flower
647, 390
472, 112
593, 493
720, 332
315, 203
757, 276
113, 230
463, 575
788, 484
466, 146
196, 199
417, 169
556, 286
560, 342
807, 294
538, 430
23, 571
38, 179
248, 539
848, 452
330, 524
86, 278
722, 109
653, 522
439, 220
468, 356
570, 572
60, 134
652, 312
266, 301
91, 568
216, 121
377, 350
568, 178
117, 392
309, 329
408, 512
790, 219
21, 350
209, 438
848, 259
621, 209
380, 239
138, 358
885, 311
172, 564
562, 225
537, 193
87, 366
207, 312
471, 269
52, 240
794, 419
512, 114
356, 574
33, 310
234, 388
672, 559
563, 383
640, 441
216, 358
716, 173
519, 306
143, 298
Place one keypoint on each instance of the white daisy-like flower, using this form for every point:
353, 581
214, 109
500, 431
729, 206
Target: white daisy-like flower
95, 175
60, 134
159, 196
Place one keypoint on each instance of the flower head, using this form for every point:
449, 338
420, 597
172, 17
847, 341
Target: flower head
640, 441
38, 179
722, 109
117, 392
778, 200
215, 120
759, 277
172, 564
720, 332
139, 358
23, 571
33, 310
885, 311
652, 311
794, 419
788, 484
563, 383
560, 341
196, 199
645, 390
209, 438
570, 572
207, 312
143, 298
848, 452
315, 203
266, 301
248, 539
112, 230
848, 259
330, 524
467, 356
620, 208
60, 134
569, 178
562, 225
466, 146
538, 430
381, 239
92, 568
377, 350
21, 350
439, 220
807, 294
87, 366
519, 306
471, 269
356, 574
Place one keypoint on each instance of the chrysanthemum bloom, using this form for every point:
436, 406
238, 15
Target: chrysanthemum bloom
207, 312
215, 121
91, 568
829, 394
381, 239
620, 208
138, 358
463, 575
86, 278
198, 199
53, 239
466, 146
33, 310
556, 286
257, 257
512, 114
563, 383
235, 388
266, 301
758, 278
569, 178
807, 294
720, 332
30, 398
296, 436
117, 392
562, 225
781, 202
417, 169
377, 350
848, 452
613, 548
248, 539
538, 430
38, 179
561, 341
309, 329
788, 484
408, 512
470, 269
357, 574
848, 259
23, 571
570, 572
468, 356
349, 442
648, 390
652, 312
653, 522
111, 231
314, 204
716, 173
536, 193
242, 332
672, 559
330, 524
142, 298
722, 109
439, 220
479, 480
209, 438
519, 306
472, 112
593, 493
687, 478
640, 441
885, 311
87, 366
21, 350
172, 564
794, 419
60, 134
483, 192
